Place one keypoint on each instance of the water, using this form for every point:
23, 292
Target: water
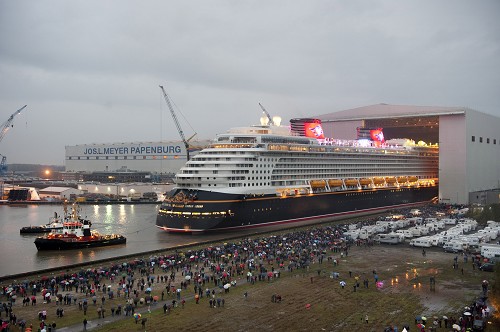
18, 253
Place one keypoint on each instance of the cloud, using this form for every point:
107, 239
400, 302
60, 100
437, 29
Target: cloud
89, 70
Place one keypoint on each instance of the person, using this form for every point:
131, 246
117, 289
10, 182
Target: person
366, 318
85, 324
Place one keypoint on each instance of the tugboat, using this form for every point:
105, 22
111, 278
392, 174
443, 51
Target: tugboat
54, 223
76, 234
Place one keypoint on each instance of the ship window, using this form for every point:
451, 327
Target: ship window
487, 141
480, 140
494, 141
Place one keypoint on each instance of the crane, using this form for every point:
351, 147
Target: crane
271, 122
4, 129
177, 124
7, 124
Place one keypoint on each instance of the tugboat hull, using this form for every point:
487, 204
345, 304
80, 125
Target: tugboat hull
65, 244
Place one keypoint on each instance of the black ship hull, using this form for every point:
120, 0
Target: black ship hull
63, 244
34, 230
202, 211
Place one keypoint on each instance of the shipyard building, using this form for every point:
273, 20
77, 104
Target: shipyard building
469, 143
126, 162
469, 154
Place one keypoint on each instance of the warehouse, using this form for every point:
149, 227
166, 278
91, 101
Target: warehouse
153, 157
58, 193
469, 143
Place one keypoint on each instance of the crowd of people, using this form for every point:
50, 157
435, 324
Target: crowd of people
121, 288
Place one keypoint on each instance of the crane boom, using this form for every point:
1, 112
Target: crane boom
7, 124
271, 122
177, 124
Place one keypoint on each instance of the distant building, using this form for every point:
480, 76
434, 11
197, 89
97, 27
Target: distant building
59, 193
152, 157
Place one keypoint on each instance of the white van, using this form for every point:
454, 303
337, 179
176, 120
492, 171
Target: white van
490, 251
421, 242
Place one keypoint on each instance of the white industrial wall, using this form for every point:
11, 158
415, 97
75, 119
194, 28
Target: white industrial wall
452, 159
342, 129
483, 158
139, 156
125, 189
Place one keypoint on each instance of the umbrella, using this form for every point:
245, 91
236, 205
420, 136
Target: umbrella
456, 327
187, 277
47, 295
137, 315
467, 313
155, 298
445, 317
226, 286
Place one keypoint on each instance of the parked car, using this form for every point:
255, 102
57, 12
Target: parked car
487, 267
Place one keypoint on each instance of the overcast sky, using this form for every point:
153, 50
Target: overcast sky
89, 70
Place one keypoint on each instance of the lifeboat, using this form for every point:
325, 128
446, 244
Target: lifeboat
378, 180
402, 179
365, 181
351, 182
412, 179
318, 183
335, 183
390, 179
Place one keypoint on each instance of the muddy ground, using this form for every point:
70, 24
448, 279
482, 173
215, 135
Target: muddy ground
311, 299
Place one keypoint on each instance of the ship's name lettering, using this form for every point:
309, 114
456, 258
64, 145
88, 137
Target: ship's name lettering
147, 149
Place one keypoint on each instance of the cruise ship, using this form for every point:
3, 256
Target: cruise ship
271, 174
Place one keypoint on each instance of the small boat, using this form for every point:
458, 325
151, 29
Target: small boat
351, 182
54, 223
76, 234
335, 183
318, 183
365, 181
